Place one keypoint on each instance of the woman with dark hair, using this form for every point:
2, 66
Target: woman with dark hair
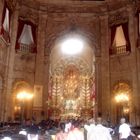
75, 133
61, 135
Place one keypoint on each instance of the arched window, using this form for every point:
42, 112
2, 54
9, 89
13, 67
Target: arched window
122, 96
26, 37
120, 39
5, 24
21, 100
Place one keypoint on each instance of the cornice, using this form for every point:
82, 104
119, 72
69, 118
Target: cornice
75, 6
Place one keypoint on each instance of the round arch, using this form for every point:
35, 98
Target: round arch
18, 104
71, 78
56, 36
122, 94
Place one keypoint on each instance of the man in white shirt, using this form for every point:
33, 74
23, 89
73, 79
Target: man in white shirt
99, 132
90, 129
124, 130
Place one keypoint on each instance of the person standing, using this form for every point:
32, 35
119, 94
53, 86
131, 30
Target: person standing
100, 132
75, 133
124, 130
61, 135
90, 129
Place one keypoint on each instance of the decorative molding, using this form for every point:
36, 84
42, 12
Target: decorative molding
59, 67
38, 96
12, 4
118, 17
27, 57
29, 15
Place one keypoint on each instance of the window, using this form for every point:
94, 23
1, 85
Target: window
26, 37
120, 39
5, 27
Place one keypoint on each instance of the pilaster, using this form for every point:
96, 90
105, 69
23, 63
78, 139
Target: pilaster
39, 68
134, 103
105, 74
10, 64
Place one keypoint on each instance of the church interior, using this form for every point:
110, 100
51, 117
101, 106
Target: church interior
61, 59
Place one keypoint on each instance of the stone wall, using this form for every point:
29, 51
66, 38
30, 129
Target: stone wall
94, 22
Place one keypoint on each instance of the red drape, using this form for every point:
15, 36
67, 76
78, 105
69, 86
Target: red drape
138, 27
113, 31
34, 37
126, 34
138, 24
20, 28
138, 21
10, 14
3, 17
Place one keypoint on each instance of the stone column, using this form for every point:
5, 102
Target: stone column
134, 103
39, 69
105, 74
3, 80
10, 66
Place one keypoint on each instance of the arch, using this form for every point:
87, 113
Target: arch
78, 62
55, 36
71, 77
21, 107
21, 85
122, 86
122, 94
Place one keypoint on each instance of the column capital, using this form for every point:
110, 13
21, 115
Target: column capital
104, 16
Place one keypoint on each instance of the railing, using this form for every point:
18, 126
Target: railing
27, 48
118, 50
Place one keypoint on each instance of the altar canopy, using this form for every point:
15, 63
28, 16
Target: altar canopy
72, 94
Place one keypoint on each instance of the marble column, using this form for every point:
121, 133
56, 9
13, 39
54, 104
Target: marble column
39, 69
105, 73
10, 65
